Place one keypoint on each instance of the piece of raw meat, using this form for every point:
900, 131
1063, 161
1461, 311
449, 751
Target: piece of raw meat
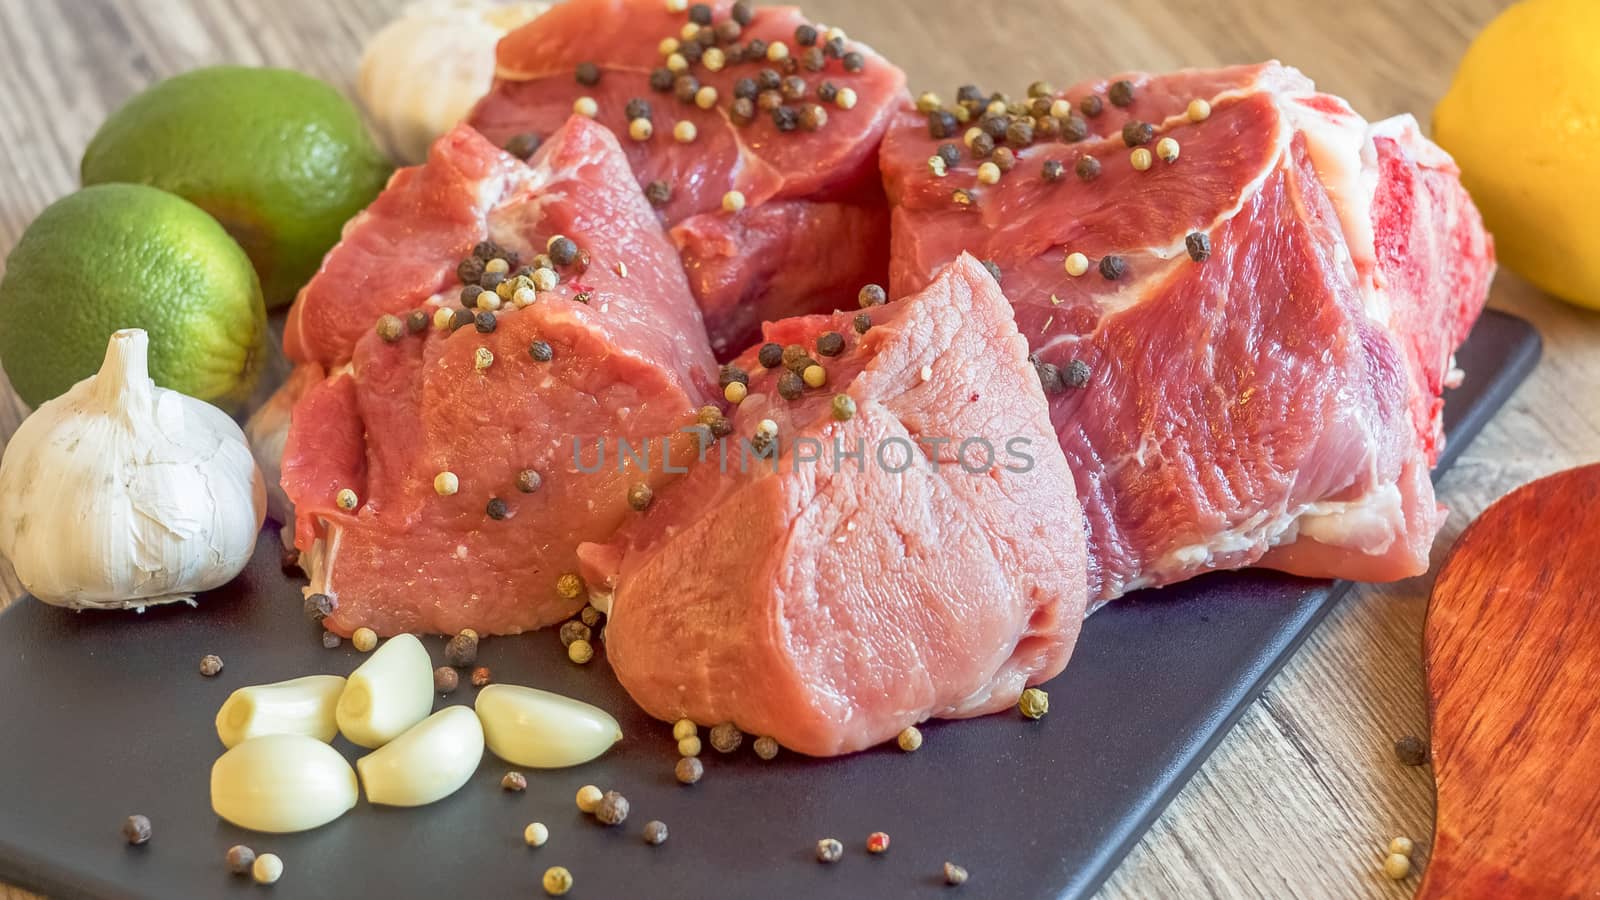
1265, 325
814, 226
830, 601
615, 351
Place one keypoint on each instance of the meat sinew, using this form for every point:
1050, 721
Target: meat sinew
616, 349
829, 600
1249, 370
785, 112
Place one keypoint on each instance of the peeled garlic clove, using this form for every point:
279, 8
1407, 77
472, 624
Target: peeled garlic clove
541, 730
427, 763
300, 706
390, 692
281, 783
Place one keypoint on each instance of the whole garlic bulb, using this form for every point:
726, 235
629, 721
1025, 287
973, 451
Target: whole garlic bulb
122, 494
423, 72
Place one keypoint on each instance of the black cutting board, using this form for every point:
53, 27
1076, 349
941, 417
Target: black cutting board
103, 715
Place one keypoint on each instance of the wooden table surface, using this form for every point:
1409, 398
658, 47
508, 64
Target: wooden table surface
1304, 793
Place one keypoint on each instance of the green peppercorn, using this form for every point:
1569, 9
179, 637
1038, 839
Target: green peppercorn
1034, 703
726, 737
844, 407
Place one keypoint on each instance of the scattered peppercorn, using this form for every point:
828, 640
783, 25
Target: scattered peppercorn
877, 842
743, 12
846, 98
655, 832
872, 295
588, 74
1019, 133
1074, 129
1112, 267
210, 665
961, 197
470, 270
364, 639
1198, 110
613, 809
639, 496
954, 875
700, 14
910, 739
829, 850
766, 747
1052, 171
844, 407
515, 782
574, 630
791, 386
1092, 105
785, 118
588, 798
982, 146
289, 561
830, 343
1411, 750
569, 586
535, 834
541, 351
1198, 243
1396, 867
1167, 148
1136, 133
239, 859
580, 651
1087, 168
1049, 376
993, 268
331, 641
688, 770
496, 509
1402, 845
726, 737
770, 355
689, 745
136, 829
1076, 374
462, 649
1005, 159
1033, 703
485, 322
523, 144
416, 321
854, 62
557, 881
591, 616
390, 329
862, 323
316, 606
733, 201
813, 117
490, 281
445, 680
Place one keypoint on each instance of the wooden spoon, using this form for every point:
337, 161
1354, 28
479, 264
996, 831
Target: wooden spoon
1512, 647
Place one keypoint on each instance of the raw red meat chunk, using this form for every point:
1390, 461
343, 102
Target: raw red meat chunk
615, 350
786, 112
1245, 364
827, 600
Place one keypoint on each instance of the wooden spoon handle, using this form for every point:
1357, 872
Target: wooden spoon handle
1512, 649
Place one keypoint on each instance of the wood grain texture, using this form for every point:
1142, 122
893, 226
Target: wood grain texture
1304, 794
1512, 647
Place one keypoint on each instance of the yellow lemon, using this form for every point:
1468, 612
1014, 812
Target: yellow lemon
1522, 119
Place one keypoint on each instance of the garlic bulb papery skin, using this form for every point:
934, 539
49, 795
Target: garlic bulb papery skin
120, 494
423, 72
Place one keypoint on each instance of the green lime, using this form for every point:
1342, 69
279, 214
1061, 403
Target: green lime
127, 256
280, 158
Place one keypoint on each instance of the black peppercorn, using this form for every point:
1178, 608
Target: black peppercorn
661, 80
746, 87
942, 124
755, 50
1136, 133
862, 323
830, 343
854, 62
969, 95
995, 126
491, 280
700, 14
994, 269
462, 318
731, 373
1092, 105
743, 12
462, 649
1074, 129
805, 35
541, 351
331, 641
813, 59
659, 193
1198, 244
575, 631
522, 145
496, 509
872, 295
688, 770
1049, 377
1020, 133
445, 680
588, 74
1113, 267
485, 321
1087, 168
416, 321
470, 270
834, 47
1121, 93
469, 296
563, 251
529, 481
655, 832
728, 31
982, 146
1076, 374
639, 496
786, 118
692, 51
613, 808
1005, 158
743, 111
813, 117
1052, 170
770, 356
792, 88
769, 80
685, 87
637, 108
319, 606
790, 386
239, 859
